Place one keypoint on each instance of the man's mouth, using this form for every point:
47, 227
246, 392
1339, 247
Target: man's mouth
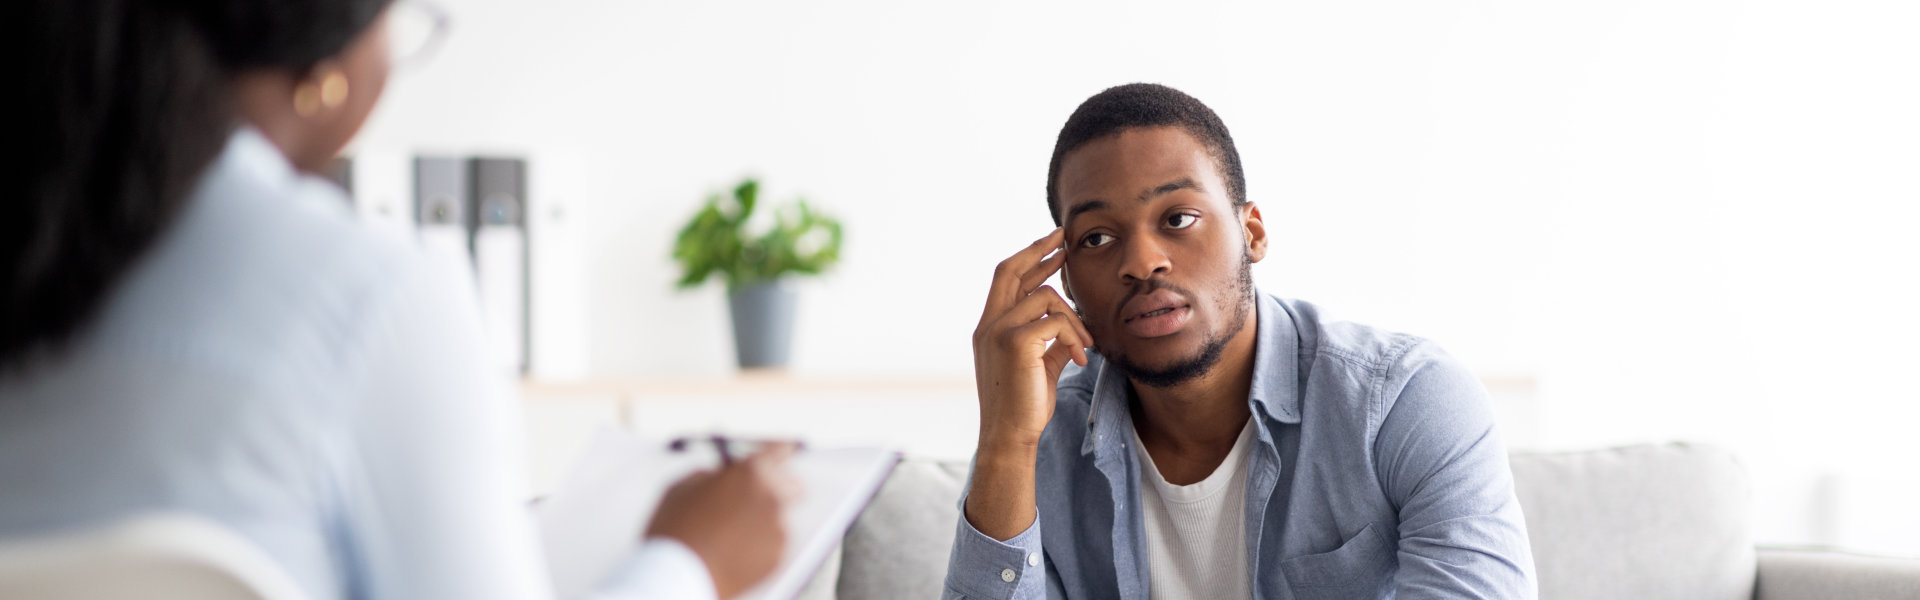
1159, 322
1156, 314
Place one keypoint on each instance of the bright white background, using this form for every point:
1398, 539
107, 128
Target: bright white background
1684, 219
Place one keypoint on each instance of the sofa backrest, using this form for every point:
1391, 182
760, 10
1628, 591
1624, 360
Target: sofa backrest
898, 547
1648, 521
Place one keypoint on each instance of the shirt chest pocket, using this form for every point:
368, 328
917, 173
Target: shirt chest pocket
1362, 567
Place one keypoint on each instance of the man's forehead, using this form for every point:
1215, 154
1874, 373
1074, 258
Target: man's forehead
1133, 164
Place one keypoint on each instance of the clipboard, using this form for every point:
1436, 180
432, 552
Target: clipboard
597, 514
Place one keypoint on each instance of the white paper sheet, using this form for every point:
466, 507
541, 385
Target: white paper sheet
597, 514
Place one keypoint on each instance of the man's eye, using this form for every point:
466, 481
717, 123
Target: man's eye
1095, 240
1181, 220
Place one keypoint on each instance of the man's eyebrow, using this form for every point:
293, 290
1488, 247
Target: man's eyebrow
1183, 183
1088, 206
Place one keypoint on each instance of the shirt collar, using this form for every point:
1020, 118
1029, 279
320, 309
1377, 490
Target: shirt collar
249, 158
1275, 391
1277, 383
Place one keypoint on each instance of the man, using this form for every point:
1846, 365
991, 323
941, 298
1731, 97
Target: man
1217, 442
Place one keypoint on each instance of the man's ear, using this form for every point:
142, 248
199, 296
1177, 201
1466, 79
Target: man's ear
1255, 229
1065, 284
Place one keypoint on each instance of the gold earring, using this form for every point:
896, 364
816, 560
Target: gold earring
333, 89
329, 93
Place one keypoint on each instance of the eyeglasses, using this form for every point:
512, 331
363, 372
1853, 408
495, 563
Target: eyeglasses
415, 29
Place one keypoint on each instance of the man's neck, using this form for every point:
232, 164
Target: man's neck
1189, 428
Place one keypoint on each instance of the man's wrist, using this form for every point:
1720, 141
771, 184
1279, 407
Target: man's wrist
1001, 463
996, 444
1000, 500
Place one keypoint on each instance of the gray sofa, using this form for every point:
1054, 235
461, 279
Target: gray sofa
1649, 521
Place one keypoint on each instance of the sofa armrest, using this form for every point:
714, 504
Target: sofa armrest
1816, 574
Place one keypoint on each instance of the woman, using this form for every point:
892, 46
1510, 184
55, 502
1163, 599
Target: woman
194, 321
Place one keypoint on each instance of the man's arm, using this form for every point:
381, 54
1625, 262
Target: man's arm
1442, 463
1027, 335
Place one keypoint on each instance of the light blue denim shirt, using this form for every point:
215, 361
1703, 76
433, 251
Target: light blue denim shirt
1377, 473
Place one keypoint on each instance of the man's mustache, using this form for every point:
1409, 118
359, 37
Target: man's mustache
1143, 286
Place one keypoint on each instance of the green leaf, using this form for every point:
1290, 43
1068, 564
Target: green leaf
715, 242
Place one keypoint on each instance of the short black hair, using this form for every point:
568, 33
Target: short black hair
1137, 105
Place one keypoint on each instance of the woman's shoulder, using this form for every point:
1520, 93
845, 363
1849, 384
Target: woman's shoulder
267, 266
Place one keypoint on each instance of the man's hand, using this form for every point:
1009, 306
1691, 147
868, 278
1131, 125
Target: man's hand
1027, 334
731, 518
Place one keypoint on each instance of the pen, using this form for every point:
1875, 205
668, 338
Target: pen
722, 444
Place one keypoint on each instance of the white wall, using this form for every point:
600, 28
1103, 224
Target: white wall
1688, 219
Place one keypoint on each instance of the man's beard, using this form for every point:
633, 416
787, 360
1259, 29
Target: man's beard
1210, 351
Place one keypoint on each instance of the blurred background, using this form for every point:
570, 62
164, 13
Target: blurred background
1638, 221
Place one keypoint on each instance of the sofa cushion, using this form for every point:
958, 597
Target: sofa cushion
1648, 521
898, 547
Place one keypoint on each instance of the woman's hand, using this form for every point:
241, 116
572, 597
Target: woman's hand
731, 518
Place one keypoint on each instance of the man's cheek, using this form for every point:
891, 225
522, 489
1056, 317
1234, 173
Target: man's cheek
1093, 327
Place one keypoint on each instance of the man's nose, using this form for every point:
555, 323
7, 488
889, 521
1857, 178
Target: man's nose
1144, 259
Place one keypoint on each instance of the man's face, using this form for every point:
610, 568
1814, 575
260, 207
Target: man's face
1157, 255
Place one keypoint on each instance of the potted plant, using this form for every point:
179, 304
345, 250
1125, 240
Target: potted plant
756, 267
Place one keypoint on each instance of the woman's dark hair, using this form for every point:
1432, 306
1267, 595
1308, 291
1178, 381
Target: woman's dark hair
126, 103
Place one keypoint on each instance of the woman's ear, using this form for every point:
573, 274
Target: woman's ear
1255, 229
311, 113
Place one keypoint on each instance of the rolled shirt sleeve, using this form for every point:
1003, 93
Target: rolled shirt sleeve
1461, 532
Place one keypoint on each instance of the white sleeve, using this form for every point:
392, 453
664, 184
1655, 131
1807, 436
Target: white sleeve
662, 568
435, 464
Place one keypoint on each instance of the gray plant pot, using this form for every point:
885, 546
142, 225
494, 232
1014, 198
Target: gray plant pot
763, 323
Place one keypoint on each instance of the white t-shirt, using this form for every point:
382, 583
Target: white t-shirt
1197, 534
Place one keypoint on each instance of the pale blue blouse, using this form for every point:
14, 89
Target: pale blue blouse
315, 384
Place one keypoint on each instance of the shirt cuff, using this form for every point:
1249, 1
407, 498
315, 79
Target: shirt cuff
983, 567
662, 568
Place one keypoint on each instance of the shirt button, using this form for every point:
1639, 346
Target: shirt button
1033, 559
1006, 575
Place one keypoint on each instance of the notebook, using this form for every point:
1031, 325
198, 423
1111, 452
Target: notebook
596, 515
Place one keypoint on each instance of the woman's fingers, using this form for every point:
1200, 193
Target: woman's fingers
770, 464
